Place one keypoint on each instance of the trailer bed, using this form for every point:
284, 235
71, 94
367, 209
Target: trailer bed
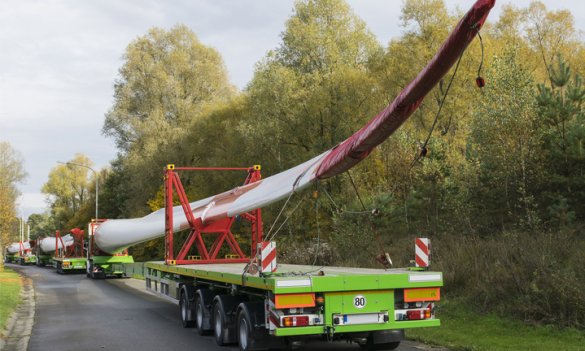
301, 278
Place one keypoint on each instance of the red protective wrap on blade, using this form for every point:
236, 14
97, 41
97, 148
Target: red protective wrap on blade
360, 144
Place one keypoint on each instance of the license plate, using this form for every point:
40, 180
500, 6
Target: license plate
361, 318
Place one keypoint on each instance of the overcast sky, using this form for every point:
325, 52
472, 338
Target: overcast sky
59, 61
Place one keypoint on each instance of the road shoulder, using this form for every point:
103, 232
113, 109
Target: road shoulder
19, 326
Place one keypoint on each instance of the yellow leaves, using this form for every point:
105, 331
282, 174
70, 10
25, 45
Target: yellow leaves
168, 82
68, 188
11, 173
426, 18
324, 34
158, 201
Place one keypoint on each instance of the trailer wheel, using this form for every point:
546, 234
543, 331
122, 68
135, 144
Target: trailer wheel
184, 310
97, 275
203, 316
244, 331
199, 316
219, 319
88, 269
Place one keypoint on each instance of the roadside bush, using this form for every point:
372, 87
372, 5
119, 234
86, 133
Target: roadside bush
536, 277
308, 253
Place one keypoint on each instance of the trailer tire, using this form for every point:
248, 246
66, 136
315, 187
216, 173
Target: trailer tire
219, 323
88, 269
199, 310
203, 298
97, 275
244, 330
184, 307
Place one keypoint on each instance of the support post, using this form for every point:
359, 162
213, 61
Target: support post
221, 227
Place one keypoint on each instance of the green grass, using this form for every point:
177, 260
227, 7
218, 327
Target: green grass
462, 329
10, 284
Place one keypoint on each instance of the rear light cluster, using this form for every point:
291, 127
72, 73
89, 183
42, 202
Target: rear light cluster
413, 315
415, 304
296, 310
295, 321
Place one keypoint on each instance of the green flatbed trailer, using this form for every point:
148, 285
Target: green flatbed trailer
100, 267
27, 259
70, 264
11, 258
44, 260
371, 307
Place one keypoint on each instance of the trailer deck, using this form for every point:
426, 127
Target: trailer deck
301, 278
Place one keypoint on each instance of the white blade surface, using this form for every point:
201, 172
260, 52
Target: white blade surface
48, 244
116, 235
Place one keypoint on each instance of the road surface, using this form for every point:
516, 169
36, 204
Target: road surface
75, 313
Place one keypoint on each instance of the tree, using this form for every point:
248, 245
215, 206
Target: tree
311, 92
562, 107
539, 35
112, 193
549, 32
68, 190
426, 196
13, 173
505, 146
168, 80
41, 224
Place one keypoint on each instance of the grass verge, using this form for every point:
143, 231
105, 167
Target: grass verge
462, 329
10, 285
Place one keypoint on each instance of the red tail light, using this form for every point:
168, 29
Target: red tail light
295, 321
418, 314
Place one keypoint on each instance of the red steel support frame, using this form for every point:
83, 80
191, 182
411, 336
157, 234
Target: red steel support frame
222, 227
22, 251
75, 250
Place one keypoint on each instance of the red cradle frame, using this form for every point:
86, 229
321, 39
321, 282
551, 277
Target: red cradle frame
75, 250
221, 227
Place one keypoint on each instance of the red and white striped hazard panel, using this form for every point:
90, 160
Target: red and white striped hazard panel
268, 256
422, 249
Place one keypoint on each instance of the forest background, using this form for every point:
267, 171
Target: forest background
500, 192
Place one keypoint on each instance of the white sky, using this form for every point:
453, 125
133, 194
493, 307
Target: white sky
60, 59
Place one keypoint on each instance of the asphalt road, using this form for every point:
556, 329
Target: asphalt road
75, 313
